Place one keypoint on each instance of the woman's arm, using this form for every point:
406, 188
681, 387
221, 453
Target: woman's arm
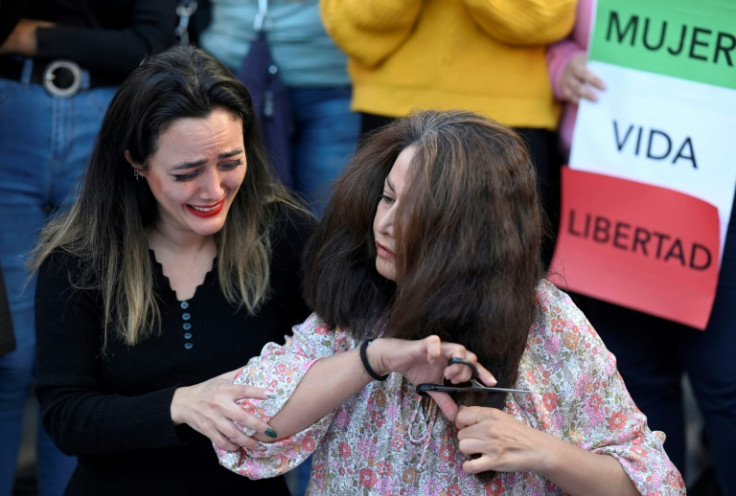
148, 28
369, 32
332, 380
84, 413
312, 374
566, 61
581, 430
507, 445
524, 22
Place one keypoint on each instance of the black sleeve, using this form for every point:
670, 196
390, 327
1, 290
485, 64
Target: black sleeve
116, 51
79, 416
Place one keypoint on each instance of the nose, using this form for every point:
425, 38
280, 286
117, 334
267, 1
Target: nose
385, 220
211, 185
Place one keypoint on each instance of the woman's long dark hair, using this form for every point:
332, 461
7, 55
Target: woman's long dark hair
468, 237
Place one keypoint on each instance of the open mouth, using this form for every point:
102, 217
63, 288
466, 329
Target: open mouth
207, 211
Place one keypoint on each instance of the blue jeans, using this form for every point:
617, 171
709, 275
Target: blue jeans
325, 137
45, 143
653, 354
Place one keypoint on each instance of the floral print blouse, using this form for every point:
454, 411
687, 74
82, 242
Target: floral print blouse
387, 440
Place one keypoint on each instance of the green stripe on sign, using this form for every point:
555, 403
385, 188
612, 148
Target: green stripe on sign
680, 38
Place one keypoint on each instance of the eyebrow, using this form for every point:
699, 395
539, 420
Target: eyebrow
197, 163
389, 184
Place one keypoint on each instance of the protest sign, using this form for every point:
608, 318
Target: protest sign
654, 156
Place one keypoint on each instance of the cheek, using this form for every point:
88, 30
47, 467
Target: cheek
167, 191
235, 181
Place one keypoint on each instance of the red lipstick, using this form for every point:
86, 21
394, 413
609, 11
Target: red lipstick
205, 212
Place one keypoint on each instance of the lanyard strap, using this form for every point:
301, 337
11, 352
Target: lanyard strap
262, 15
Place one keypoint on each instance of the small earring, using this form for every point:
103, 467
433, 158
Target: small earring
137, 176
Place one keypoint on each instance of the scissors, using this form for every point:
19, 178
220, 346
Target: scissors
472, 386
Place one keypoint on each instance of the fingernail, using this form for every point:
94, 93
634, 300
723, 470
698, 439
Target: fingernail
270, 396
260, 447
271, 433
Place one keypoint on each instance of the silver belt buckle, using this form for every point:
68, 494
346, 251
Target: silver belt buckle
49, 76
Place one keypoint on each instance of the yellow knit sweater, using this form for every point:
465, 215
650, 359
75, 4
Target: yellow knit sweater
482, 55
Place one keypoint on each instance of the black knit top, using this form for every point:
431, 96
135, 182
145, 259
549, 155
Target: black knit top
113, 410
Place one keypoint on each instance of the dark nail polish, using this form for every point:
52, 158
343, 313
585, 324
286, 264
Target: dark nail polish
271, 433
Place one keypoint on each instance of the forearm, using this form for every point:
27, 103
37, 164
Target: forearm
581, 472
328, 383
524, 23
149, 29
101, 424
370, 32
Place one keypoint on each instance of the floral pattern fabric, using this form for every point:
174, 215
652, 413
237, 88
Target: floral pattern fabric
387, 440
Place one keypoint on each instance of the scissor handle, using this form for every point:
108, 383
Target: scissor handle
473, 368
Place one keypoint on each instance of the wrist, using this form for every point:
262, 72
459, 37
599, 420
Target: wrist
549, 456
174, 408
374, 368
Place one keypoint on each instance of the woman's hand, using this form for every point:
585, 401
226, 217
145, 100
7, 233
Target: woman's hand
578, 82
210, 408
22, 40
426, 360
497, 441
504, 443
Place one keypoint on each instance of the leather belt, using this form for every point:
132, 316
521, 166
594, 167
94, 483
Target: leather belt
62, 78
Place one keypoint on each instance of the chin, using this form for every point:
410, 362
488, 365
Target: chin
386, 269
209, 230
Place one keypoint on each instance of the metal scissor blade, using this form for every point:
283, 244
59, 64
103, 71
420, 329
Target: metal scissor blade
502, 390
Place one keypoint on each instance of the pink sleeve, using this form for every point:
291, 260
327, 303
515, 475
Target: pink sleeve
558, 56
280, 369
560, 53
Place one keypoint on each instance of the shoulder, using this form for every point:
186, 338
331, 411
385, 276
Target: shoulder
291, 228
291, 221
60, 262
62, 274
555, 307
561, 334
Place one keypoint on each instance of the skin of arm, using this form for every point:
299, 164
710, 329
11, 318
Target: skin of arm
22, 40
505, 444
332, 380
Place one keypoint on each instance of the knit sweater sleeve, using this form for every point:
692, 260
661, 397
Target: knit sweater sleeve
524, 22
369, 32
151, 29
78, 414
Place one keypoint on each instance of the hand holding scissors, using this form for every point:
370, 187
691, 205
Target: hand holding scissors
472, 386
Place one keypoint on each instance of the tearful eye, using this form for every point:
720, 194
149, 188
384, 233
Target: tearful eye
231, 165
185, 177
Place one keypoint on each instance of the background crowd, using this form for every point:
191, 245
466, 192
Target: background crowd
334, 72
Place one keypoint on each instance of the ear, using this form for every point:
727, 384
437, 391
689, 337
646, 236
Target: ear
138, 168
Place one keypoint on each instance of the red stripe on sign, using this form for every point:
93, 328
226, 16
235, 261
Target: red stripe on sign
644, 247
